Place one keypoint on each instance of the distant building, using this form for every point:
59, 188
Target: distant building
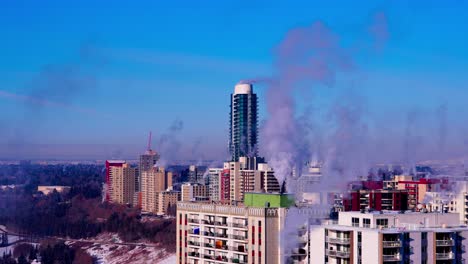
195, 192
109, 165
224, 184
153, 182
123, 183
50, 189
395, 200
214, 175
147, 162
168, 201
196, 173
243, 122
246, 175
416, 188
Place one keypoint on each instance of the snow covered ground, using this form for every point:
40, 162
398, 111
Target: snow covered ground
109, 253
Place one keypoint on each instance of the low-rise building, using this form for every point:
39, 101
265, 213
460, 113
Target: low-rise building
389, 237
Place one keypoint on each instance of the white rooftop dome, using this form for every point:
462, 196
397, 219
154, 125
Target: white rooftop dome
243, 88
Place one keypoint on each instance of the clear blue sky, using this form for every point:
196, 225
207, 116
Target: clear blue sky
147, 63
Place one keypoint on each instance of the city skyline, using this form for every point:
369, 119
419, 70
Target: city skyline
120, 86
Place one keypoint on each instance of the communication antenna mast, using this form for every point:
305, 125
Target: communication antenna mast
149, 140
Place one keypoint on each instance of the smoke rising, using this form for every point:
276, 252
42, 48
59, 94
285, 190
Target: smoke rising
169, 143
310, 55
308, 58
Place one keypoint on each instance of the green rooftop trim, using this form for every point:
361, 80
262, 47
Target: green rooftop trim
261, 200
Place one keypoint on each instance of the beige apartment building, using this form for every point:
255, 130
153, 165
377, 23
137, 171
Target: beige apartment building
153, 182
194, 192
123, 184
210, 233
167, 200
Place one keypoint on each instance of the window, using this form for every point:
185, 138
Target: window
424, 235
382, 222
366, 222
355, 221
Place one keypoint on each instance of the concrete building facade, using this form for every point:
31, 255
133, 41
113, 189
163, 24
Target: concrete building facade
389, 237
123, 183
212, 233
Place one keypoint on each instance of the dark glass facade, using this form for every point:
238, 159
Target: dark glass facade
243, 126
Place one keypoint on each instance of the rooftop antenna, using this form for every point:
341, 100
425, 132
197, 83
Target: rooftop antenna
149, 140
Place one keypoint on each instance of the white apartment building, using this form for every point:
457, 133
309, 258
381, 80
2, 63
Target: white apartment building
214, 179
388, 237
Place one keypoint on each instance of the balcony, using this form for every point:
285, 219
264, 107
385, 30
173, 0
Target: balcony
236, 260
391, 244
339, 254
194, 243
208, 222
221, 258
239, 249
238, 225
445, 243
342, 241
444, 256
194, 254
395, 257
217, 223
193, 221
238, 237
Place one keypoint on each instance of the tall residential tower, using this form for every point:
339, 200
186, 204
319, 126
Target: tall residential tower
243, 122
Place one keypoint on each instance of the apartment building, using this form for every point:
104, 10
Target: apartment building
195, 192
209, 233
214, 179
389, 237
376, 199
416, 188
123, 183
250, 175
167, 202
153, 182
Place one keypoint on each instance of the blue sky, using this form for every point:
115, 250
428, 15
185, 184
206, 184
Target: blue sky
148, 63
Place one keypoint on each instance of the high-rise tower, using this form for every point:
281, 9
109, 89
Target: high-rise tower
147, 162
243, 122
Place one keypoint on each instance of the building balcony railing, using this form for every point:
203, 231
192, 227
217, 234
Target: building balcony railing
445, 243
391, 244
194, 243
211, 234
236, 260
238, 237
238, 225
216, 223
222, 247
339, 254
194, 254
444, 256
207, 222
193, 221
395, 257
333, 240
239, 249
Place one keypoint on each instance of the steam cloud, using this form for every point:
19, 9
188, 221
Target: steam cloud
313, 57
169, 143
